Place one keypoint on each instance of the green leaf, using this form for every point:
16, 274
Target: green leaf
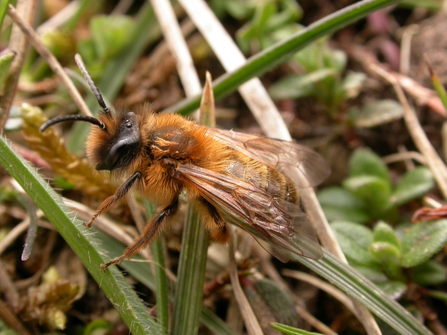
298, 86
336, 59
3, 9
352, 84
110, 34
441, 295
291, 330
383, 232
354, 240
413, 185
429, 273
341, 205
278, 302
423, 241
365, 162
377, 112
388, 255
372, 190
5, 62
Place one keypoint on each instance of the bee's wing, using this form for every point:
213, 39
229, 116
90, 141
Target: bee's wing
282, 155
281, 223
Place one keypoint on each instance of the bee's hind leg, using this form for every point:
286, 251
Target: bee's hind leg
150, 231
214, 223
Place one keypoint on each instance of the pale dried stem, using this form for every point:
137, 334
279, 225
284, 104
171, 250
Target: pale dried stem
17, 231
417, 133
249, 317
405, 53
7, 315
178, 47
18, 44
403, 156
50, 59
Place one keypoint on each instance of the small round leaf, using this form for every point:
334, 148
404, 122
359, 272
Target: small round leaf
423, 241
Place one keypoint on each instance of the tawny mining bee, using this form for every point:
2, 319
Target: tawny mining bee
228, 176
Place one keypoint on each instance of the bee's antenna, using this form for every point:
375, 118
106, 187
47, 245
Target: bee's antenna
90, 82
65, 118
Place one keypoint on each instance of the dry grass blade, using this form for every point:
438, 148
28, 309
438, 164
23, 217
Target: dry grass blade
178, 47
11, 319
249, 317
50, 59
18, 44
417, 133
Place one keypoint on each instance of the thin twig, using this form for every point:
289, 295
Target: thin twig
50, 59
403, 156
14, 234
435, 163
7, 315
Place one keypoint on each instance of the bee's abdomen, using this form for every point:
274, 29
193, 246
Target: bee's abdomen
266, 178
278, 185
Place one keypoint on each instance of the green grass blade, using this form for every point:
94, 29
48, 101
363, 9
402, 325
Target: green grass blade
363, 290
3, 8
278, 53
191, 276
81, 240
162, 282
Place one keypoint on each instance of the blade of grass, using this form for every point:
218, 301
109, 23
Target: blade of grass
192, 268
363, 290
81, 240
191, 276
162, 282
3, 8
278, 53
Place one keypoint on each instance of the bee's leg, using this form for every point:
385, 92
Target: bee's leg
121, 192
151, 229
214, 223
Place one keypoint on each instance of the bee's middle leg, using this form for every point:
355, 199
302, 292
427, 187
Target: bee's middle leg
151, 230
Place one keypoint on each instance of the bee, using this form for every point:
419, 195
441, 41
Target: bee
229, 176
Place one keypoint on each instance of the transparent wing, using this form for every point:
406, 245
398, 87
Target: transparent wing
282, 224
282, 155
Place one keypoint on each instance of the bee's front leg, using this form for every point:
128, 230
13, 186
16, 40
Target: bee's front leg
121, 192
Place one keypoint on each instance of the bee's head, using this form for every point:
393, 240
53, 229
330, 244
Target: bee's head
115, 140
